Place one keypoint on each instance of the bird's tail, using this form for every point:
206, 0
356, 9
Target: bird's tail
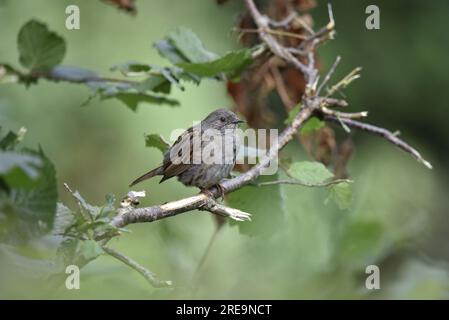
155, 172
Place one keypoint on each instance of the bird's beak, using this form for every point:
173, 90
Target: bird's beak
236, 121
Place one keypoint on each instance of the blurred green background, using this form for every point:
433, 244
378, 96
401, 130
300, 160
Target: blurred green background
398, 219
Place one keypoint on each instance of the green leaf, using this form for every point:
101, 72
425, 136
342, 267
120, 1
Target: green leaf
292, 114
310, 172
64, 219
184, 49
190, 45
29, 213
93, 211
28, 163
167, 50
156, 141
67, 250
312, 125
17, 169
341, 193
110, 200
9, 141
266, 204
160, 79
233, 62
89, 250
155, 84
108, 209
126, 93
132, 100
39, 48
74, 251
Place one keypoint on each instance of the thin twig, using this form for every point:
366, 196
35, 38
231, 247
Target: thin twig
345, 115
273, 32
328, 75
284, 22
85, 215
322, 34
147, 274
384, 133
343, 83
296, 51
262, 23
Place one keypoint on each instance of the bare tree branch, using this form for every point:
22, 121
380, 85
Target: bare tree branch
328, 75
66, 77
284, 22
147, 274
384, 133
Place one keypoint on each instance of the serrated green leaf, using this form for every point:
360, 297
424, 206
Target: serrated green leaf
341, 193
265, 204
231, 63
167, 50
312, 125
310, 172
190, 45
108, 208
154, 83
9, 141
92, 210
110, 200
30, 212
156, 141
89, 250
67, 250
64, 219
28, 163
39, 48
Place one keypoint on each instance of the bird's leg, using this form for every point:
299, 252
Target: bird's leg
221, 190
209, 193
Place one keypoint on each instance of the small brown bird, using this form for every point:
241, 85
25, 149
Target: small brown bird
203, 154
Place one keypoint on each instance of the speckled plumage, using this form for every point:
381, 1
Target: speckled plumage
200, 174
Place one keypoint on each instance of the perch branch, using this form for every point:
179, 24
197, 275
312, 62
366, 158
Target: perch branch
206, 202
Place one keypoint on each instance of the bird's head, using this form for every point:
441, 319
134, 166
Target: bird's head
221, 119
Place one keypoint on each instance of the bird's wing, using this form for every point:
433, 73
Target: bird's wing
182, 153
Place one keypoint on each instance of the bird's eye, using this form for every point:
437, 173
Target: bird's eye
222, 119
